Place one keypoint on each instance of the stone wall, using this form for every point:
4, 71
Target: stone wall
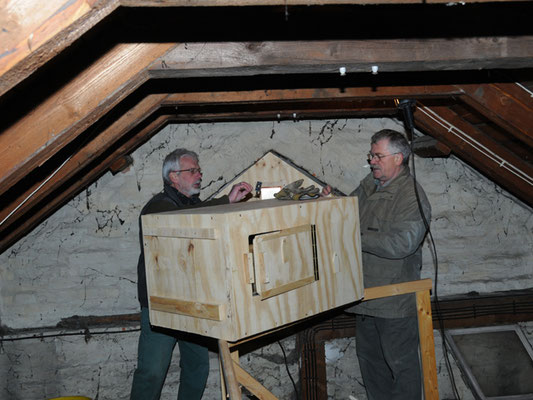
82, 260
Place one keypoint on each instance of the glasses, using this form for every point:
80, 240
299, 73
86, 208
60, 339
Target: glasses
379, 157
191, 170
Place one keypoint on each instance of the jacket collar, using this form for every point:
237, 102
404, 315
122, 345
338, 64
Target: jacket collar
179, 198
370, 186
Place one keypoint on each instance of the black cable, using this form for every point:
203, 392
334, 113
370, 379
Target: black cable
83, 333
288, 372
405, 106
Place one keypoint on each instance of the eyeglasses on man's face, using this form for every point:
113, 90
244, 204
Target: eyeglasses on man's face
191, 170
378, 157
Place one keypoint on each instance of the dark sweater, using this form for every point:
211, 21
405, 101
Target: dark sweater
168, 200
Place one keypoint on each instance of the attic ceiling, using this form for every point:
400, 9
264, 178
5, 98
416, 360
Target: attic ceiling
84, 83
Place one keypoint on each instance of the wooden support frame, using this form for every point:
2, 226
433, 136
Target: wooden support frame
232, 374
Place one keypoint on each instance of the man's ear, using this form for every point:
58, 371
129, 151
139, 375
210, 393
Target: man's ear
398, 159
173, 177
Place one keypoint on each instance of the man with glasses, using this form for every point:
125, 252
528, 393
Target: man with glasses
392, 232
182, 179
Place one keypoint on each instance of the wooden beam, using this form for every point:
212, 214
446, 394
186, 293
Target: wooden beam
309, 95
396, 289
299, 57
250, 383
81, 180
28, 143
34, 34
427, 146
506, 104
230, 378
121, 164
427, 345
473, 146
225, 3
86, 155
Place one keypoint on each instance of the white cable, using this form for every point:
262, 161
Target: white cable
525, 88
35, 191
476, 145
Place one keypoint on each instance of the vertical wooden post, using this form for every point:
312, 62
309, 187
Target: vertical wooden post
223, 394
230, 378
427, 345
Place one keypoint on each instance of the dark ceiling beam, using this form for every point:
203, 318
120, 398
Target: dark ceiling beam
82, 179
30, 41
222, 59
506, 104
428, 146
477, 149
69, 112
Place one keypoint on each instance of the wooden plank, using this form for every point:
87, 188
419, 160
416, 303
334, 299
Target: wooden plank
274, 95
266, 294
59, 119
299, 57
230, 377
473, 146
396, 289
250, 383
498, 103
180, 232
38, 31
195, 309
427, 345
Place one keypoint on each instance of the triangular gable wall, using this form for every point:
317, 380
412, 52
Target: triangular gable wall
272, 170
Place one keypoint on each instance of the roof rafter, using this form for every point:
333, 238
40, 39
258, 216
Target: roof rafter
473, 146
32, 39
504, 103
69, 112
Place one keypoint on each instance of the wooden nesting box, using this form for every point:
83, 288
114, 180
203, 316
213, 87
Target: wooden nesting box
236, 270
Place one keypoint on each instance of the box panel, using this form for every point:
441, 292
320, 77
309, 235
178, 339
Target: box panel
284, 260
222, 271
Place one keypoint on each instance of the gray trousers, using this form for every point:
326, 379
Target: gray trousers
387, 349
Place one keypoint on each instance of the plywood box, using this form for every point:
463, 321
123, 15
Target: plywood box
236, 270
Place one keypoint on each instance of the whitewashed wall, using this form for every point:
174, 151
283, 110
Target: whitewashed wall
82, 260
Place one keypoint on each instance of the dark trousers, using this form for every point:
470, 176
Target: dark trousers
154, 356
387, 349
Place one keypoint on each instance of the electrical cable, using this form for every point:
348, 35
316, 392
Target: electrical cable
501, 162
406, 106
81, 333
35, 191
78, 148
288, 372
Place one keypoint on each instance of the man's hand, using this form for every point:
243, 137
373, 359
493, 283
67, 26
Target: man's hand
239, 192
326, 191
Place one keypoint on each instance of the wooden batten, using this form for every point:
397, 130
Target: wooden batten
272, 263
191, 308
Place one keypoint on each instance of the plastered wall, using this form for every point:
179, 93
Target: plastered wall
82, 260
